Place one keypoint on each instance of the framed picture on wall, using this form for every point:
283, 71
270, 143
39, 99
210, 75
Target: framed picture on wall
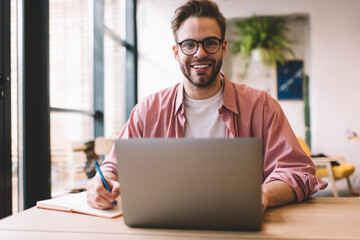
290, 78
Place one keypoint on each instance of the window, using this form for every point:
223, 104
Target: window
114, 66
71, 90
53, 66
73, 97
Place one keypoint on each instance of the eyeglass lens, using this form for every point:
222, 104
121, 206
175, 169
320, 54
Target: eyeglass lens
189, 47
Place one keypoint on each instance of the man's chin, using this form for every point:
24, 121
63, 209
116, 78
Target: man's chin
201, 82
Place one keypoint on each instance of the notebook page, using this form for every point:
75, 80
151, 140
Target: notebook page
65, 203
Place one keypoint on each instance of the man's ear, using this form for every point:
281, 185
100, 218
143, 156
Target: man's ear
224, 46
176, 52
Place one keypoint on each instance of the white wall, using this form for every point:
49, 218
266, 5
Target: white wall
334, 62
265, 78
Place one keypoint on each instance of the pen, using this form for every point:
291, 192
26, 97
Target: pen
103, 179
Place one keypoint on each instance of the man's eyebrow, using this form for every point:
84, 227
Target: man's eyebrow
188, 39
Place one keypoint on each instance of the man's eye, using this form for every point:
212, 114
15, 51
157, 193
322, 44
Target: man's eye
188, 45
211, 42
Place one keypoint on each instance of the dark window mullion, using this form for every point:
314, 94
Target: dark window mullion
5, 130
118, 39
98, 66
114, 36
131, 56
68, 110
36, 119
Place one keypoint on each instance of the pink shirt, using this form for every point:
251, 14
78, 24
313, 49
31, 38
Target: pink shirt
246, 112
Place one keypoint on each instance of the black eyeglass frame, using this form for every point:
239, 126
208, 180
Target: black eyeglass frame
202, 42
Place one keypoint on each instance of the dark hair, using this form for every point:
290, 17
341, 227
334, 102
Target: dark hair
198, 8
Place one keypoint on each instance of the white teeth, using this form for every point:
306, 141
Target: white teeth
200, 66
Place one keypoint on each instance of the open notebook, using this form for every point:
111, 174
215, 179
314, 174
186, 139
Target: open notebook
77, 203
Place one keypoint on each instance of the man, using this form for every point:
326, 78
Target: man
206, 104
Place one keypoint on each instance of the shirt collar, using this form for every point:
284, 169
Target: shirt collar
229, 97
179, 101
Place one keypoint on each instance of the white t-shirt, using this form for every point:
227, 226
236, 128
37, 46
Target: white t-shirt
202, 117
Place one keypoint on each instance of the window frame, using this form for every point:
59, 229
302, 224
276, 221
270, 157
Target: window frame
35, 138
5, 113
35, 158
131, 56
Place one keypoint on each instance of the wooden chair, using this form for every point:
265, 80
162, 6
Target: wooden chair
325, 168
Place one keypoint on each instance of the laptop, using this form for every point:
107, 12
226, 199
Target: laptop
212, 184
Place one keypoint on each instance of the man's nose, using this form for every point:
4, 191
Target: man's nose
201, 51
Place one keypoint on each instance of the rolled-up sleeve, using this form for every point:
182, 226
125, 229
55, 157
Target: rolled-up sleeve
284, 158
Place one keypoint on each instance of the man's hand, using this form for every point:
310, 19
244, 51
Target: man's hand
276, 193
98, 196
264, 200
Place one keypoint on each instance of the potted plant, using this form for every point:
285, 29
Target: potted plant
263, 38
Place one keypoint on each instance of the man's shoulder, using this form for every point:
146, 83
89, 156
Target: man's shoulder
247, 97
246, 91
166, 93
160, 98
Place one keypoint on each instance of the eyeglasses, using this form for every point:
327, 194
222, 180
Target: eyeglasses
211, 45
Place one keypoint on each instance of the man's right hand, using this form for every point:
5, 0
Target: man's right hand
98, 196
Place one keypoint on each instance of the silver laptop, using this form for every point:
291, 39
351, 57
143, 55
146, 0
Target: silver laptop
212, 184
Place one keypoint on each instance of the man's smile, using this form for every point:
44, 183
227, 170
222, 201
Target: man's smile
201, 66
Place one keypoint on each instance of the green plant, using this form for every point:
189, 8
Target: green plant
268, 34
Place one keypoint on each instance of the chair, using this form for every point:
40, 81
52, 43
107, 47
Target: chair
333, 167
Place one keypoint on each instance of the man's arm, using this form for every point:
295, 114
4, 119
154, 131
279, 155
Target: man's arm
284, 159
98, 196
276, 193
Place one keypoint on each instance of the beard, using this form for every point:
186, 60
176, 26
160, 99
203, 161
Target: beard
202, 80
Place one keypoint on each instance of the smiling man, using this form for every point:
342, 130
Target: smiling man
202, 50
206, 104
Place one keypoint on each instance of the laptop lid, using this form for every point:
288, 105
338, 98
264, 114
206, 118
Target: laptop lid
191, 183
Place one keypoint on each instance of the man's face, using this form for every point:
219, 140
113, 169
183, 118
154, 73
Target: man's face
202, 68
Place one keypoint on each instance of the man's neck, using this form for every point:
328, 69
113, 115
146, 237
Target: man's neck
198, 93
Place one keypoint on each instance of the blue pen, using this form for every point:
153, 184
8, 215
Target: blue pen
103, 179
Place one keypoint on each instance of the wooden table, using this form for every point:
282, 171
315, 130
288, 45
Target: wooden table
317, 218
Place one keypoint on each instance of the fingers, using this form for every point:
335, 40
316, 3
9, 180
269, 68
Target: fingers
264, 199
115, 187
264, 202
98, 196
